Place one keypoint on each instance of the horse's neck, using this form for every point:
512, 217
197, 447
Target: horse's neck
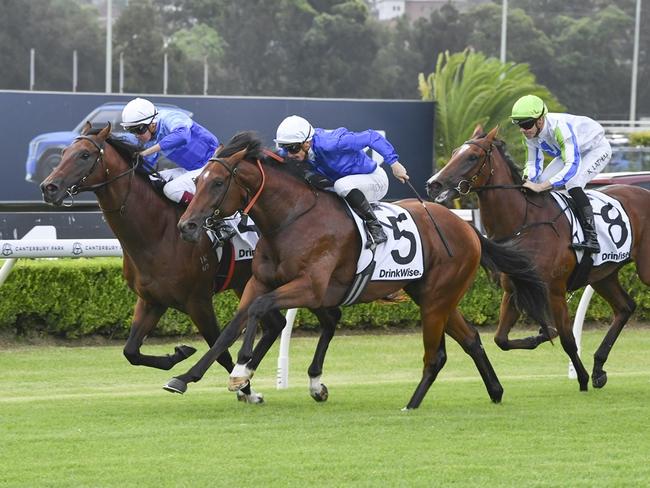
145, 217
503, 211
283, 200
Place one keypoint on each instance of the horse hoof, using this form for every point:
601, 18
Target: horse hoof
237, 383
175, 386
254, 398
184, 351
321, 395
600, 380
496, 397
584, 387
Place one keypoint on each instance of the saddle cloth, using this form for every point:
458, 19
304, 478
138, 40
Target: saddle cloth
401, 256
612, 226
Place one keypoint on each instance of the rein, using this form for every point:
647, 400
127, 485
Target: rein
99, 160
211, 221
470, 188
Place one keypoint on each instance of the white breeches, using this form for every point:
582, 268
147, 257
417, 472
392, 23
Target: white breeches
179, 181
592, 163
373, 185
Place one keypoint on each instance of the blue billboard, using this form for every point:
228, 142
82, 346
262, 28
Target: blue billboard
408, 124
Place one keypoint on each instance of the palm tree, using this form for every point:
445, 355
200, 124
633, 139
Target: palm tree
470, 89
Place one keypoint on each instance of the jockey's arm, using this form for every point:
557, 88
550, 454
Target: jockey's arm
375, 141
534, 161
570, 154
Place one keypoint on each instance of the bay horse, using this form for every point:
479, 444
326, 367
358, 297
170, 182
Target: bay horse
307, 257
482, 165
161, 268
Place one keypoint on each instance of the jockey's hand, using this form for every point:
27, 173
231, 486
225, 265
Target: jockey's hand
537, 187
399, 171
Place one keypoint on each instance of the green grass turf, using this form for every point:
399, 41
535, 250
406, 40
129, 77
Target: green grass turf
82, 416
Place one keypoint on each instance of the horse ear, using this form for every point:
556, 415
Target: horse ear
493, 133
105, 132
86, 128
478, 130
239, 154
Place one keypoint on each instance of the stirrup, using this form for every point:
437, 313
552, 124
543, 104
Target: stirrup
588, 245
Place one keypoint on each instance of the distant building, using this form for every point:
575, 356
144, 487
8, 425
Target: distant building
384, 10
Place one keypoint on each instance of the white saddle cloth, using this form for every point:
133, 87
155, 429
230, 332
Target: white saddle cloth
400, 257
612, 226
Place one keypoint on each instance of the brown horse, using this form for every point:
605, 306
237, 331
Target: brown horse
161, 268
307, 257
482, 165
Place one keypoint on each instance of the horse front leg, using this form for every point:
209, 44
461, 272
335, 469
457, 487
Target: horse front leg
228, 336
201, 311
508, 316
295, 294
146, 316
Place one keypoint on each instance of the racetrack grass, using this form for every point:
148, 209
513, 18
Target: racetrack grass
82, 416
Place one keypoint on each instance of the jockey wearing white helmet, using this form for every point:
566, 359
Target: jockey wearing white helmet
178, 137
579, 150
339, 156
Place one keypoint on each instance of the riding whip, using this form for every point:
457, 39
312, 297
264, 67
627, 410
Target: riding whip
442, 237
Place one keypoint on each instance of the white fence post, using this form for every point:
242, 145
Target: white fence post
282, 377
577, 323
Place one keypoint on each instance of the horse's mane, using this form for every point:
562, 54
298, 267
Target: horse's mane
255, 151
514, 168
125, 149
503, 151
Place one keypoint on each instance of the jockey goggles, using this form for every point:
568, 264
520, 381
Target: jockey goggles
138, 129
525, 123
293, 148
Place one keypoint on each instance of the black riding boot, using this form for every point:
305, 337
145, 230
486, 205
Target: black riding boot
360, 205
585, 215
586, 218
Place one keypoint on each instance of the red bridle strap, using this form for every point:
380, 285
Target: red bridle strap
259, 190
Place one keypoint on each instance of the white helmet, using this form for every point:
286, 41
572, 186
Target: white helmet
137, 112
294, 129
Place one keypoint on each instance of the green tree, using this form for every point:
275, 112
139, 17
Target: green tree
471, 89
54, 28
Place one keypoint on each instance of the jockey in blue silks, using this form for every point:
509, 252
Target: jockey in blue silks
339, 156
182, 141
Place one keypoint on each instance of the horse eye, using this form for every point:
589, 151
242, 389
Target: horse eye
218, 183
85, 155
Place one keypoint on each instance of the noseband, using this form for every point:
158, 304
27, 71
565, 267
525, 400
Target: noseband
212, 220
465, 186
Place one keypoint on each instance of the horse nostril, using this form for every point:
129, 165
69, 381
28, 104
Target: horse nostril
433, 189
49, 188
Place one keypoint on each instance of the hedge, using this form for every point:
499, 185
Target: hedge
78, 297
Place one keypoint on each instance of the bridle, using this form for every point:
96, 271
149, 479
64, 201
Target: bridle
471, 188
99, 161
211, 221
469, 183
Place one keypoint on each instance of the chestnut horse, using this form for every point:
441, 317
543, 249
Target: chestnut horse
161, 268
307, 257
482, 165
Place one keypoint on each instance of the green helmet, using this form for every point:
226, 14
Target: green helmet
528, 107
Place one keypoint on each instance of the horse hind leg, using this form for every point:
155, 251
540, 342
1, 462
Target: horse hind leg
470, 340
328, 318
623, 306
145, 318
433, 322
561, 315
508, 316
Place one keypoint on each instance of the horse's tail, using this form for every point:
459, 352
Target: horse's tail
531, 292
